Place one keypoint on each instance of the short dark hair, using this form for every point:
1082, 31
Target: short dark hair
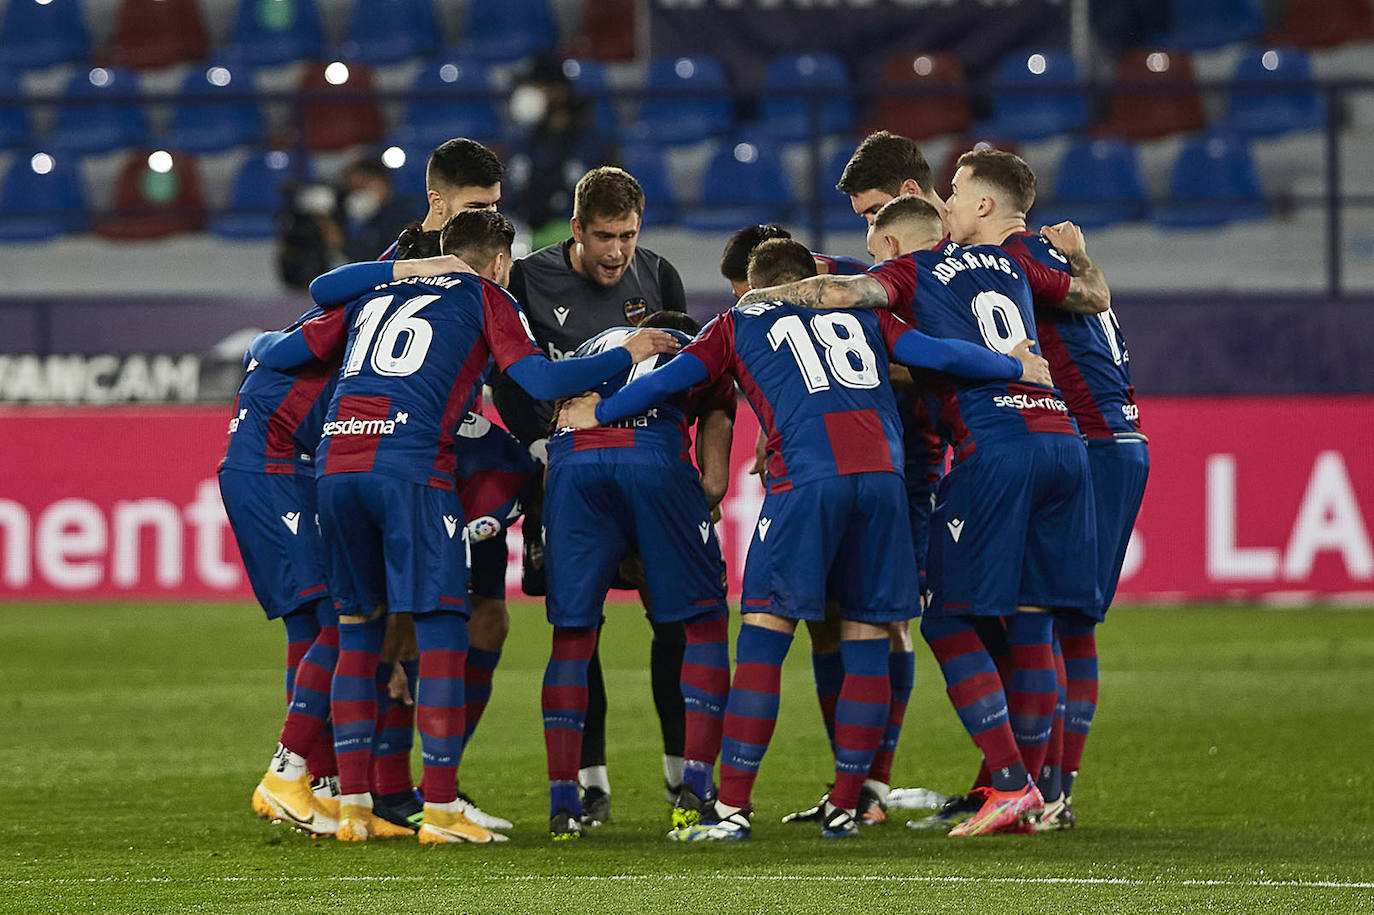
461, 162
780, 260
904, 208
607, 192
673, 320
734, 263
477, 236
1005, 171
414, 242
882, 162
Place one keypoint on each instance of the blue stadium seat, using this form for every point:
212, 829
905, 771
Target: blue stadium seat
408, 168
1098, 184
201, 122
42, 198
666, 120
1213, 182
255, 199
1035, 96
645, 162
435, 120
1281, 96
588, 77
272, 32
1202, 24
14, 119
102, 112
788, 119
40, 34
837, 213
744, 183
387, 31
507, 30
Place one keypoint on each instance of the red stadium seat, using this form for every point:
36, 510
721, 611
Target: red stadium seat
158, 33
945, 174
922, 117
330, 124
156, 195
1325, 23
605, 31
1138, 116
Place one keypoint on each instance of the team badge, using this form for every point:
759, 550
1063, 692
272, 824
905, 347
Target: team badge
636, 309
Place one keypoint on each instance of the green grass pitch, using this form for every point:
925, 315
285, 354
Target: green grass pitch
1231, 769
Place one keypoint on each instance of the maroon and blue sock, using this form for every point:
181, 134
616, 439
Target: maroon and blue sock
828, 670
705, 689
751, 712
395, 733
564, 701
481, 667
308, 716
439, 702
860, 716
1079, 643
1051, 779
353, 701
974, 687
302, 628
1034, 689
901, 675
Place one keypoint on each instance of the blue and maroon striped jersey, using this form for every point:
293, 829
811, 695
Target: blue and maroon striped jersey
1087, 353
838, 266
415, 353
277, 416
664, 430
818, 382
982, 295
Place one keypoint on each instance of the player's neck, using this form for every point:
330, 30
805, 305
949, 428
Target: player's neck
1004, 229
433, 221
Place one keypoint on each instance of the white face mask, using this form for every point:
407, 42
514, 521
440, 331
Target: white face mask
360, 206
527, 105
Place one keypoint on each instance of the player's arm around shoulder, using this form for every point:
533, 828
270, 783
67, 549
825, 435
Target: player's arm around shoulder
856, 291
1088, 292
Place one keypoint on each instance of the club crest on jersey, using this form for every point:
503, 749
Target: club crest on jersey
560, 314
636, 309
956, 527
292, 520
764, 524
705, 529
450, 525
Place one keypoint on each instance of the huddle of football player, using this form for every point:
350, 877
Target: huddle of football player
362, 487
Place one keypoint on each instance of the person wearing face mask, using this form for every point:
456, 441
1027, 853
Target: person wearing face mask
372, 212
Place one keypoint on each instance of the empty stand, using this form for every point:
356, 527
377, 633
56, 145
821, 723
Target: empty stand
273, 32
41, 198
158, 33
1325, 23
923, 116
1098, 183
203, 121
455, 103
102, 112
507, 30
14, 119
678, 108
1035, 95
1201, 24
606, 30
1213, 182
387, 31
645, 162
338, 109
744, 183
823, 77
43, 34
1272, 93
157, 194
1173, 106
256, 196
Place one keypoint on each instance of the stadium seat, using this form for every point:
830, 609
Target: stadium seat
1141, 116
836, 213
784, 119
1213, 182
1325, 23
1203, 24
744, 183
1098, 183
255, 198
14, 119
922, 116
1272, 93
156, 195
387, 31
202, 121
341, 113
41, 198
507, 30
101, 112
645, 162
272, 32
158, 33
436, 118
606, 30
38, 34
588, 78
1035, 95
408, 160
668, 119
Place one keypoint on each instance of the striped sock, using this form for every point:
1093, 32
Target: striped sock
751, 712
860, 716
353, 701
975, 689
1079, 641
828, 670
1034, 690
901, 674
395, 733
705, 688
564, 700
443, 641
302, 627
481, 666
1051, 778
308, 715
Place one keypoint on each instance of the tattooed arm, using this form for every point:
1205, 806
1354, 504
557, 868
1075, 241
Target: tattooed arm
1088, 293
859, 291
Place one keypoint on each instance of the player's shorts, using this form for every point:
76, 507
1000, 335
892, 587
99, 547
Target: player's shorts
489, 559
854, 530
597, 512
920, 498
1014, 524
394, 543
273, 517
1119, 469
